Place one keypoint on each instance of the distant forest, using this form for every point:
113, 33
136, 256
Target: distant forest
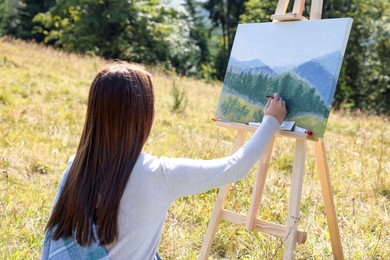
195, 37
300, 96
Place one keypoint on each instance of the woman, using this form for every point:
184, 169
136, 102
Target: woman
113, 197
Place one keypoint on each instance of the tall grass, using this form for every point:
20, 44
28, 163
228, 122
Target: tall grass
43, 96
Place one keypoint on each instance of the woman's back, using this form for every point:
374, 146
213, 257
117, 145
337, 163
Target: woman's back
142, 211
123, 193
156, 182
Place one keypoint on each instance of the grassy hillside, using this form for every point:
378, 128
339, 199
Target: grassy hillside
42, 105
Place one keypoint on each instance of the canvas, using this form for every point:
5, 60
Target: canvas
301, 60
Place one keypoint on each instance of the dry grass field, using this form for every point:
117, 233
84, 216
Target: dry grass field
43, 95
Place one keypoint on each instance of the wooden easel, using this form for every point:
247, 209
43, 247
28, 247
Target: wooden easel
290, 232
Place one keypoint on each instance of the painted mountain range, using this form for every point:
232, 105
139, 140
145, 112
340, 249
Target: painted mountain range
318, 72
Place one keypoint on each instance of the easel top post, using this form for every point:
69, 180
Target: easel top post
296, 15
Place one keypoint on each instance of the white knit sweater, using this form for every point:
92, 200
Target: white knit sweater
156, 182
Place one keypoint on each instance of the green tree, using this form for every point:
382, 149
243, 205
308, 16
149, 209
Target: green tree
27, 10
225, 16
200, 34
258, 11
8, 21
364, 82
199, 30
143, 31
17, 16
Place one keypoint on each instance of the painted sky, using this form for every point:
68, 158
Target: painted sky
286, 43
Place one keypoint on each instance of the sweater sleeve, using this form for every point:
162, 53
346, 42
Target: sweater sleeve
187, 176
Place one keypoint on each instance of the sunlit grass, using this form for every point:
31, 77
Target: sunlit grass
42, 105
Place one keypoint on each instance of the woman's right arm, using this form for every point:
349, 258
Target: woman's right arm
186, 176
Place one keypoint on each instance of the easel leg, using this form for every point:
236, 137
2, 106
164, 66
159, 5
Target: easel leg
316, 9
327, 194
214, 222
258, 188
295, 200
219, 205
282, 6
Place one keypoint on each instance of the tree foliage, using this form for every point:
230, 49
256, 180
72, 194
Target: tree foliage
8, 17
17, 16
365, 77
225, 16
151, 32
200, 32
143, 31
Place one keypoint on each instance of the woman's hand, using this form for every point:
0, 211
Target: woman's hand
276, 107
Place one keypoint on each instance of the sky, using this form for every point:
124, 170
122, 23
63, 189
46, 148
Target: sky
288, 43
174, 3
178, 2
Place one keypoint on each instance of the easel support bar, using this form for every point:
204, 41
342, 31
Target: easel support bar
288, 17
248, 128
263, 226
296, 15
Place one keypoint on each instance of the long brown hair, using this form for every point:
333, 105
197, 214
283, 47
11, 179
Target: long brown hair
119, 119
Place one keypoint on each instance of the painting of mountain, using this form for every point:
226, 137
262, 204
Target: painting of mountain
300, 60
254, 66
318, 77
330, 61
